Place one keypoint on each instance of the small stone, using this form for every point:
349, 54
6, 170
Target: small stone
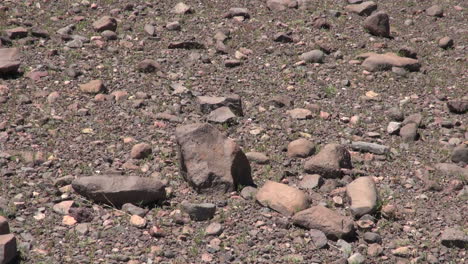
109, 35
310, 181
248, 192
137, 221
68, 220
282, 198
319, 239
435, 11
82, 228
214, 229
257, 157
314, 56
460, 154
63, 207
378, 24
134, 210
370, 147
140, 151
363, 194
409, 132
362, 9
403, 252
8, 250
148, 65
283, 38
300, 113
199, 212
92, 87
105, 23
458, 106
356, 258
181, 9
221, 115
452, 237
371, 237
393, 127
173, 26
446, 42
374, 250
300, 148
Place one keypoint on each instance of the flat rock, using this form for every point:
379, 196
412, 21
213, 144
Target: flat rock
188, 45
435, 11
460, 154
283, 37
362, 9
370, 147
453, 237
300, 148
310, 181
384, 62
282, 198
378, 24
118, 190
363, 195
182, 8
329, 161
199, 212
16, 33
257, 157
300, 113
209, 161
9, 61
8, 249
237, 12
134, 210
221, 115
314, 56
333, 224
280, 5
105, 23
63, 207
459, 106
4, 227
93, 87
409, 132
319, 239
210, 103
214, 229
140, 151
452, 170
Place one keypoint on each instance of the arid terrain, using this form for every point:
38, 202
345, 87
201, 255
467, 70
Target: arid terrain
233, 131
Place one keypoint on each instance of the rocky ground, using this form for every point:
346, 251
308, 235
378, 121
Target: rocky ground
262, 131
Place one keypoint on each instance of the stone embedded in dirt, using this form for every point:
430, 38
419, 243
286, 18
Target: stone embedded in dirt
396, 114
321, 23
214, 229
300, 148
393, 128
67, 30
409, 132
16, 33
446, 43
148, 65
248, 192
4, 227
457, 106
173, 26
210, 103
109, 35
282, 198
435, 11
140, 151
150, 30
8, 249
181, 9
374, 250
185, 45
231, 63
333, 224
281, 101
63, 208
452, 170
134, 210
283, 37
371, 237
378, 24
209, 161
199, 212
318, 238
460, 154
329, 161
237, 12
118, 190
300, 113
356, 258
221, 115
370, 147
310, 181
9, 61
105, 23
138, 221
454, 237
384, 62
362, 9
257, 157
280, 5
120, 95
93, 87
363, 195
39, 33
314, 56
413, 118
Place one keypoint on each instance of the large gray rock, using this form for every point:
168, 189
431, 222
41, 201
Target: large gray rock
210, 103
363, 195
209, 161
282, 198
333, 224
329, 161
118, 190
370, 147
9, 61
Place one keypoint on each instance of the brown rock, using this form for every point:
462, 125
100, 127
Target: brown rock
257, 157
105, 23
300, 148
9, 61
378, 24
329, 161
93, 87
362, 9
446, 42
181, 9
7, 248
409, 132
363, 195
282, 198
384, 62
333, 224
140, 151
458, 106
300, 113
280, 5
148, 65
16, 33
435, 11
4, 227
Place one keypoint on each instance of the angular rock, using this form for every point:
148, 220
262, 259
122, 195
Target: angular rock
221, 115
333, 224
413, 118
63, 207
370, 147
435, 11
452, 237
384, 62
209, 161
452, 170
4, 227
105, 23
181, 9
16, 33
140, 151
300, 113
310, 181
150, 30
459, 106
257, 157
7, 248
210, 103
319, 239
282, 198
148, 65
173, 26
300, 148
314, 56
280, 5
329, 161
137, 221
199, 212
378, 24
237, 11
393, 127
362, 9
9, 61
118, 190
248, 192
409, 132
93, 87
460, 154
363, 195
283, 37
189, 45
134, 210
